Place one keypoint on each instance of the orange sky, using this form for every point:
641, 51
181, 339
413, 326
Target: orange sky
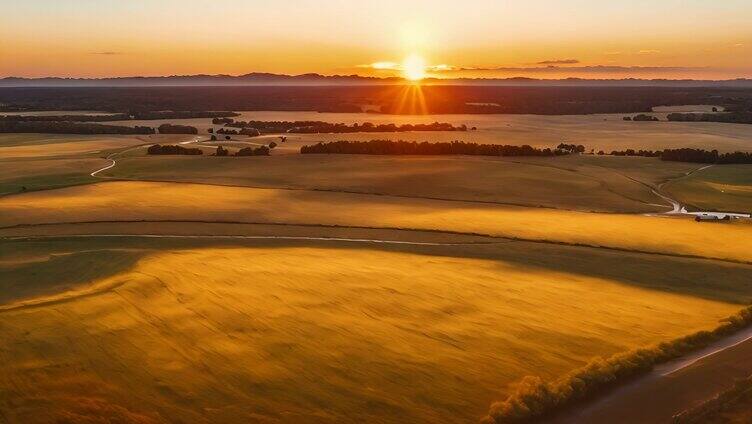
470, 38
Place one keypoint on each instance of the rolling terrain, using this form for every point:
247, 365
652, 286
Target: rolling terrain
313, 288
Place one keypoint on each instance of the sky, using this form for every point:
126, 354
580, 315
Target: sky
699, 39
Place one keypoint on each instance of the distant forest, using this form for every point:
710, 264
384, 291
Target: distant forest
437, 99
142, 116
70, 128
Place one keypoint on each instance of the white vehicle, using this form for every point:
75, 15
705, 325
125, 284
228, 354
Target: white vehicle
718, 216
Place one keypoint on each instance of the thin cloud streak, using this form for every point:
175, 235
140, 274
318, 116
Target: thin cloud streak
559, 62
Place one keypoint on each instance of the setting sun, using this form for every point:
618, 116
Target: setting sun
414, 68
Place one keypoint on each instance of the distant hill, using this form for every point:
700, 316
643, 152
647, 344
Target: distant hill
257, 78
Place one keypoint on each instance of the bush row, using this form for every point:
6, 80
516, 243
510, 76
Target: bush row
535, 399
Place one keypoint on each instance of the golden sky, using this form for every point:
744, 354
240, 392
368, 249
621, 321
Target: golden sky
469, 38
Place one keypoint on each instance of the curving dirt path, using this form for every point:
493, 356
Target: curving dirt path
111, 157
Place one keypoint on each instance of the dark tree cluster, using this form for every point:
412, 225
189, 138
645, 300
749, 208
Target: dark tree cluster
226, 131
705, 156
727, 117
69, 128
171, 114
633, 152
221, 151
571, 148
251, 151
177, 129
388, 147
142, 116
644, 118
319, 127
171, 149
65, 118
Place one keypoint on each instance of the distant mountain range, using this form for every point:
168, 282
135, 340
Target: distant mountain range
257, 78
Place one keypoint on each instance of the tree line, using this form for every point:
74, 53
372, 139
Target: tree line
171, 149
388, 147
534, 399
177, 129
739, 117
140, 116
66, 127
317, 127
705, 156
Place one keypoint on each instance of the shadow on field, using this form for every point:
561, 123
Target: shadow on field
34, 268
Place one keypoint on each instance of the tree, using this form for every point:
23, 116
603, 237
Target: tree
227, 137
272, 145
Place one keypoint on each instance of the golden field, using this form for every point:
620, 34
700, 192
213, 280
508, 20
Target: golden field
295, 331
127, 201
612, 184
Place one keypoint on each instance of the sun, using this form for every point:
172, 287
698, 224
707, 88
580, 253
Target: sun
414, 68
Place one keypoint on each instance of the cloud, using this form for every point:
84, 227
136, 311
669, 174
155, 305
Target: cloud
648, 51
738, 45
106, 53
559, 62
591, 69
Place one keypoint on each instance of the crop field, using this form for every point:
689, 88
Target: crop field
324, 331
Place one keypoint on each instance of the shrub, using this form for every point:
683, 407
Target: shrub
534, 399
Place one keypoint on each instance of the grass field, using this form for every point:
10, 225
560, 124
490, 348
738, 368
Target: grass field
721, 187
197, 202
44, 161
323, 331
97, 321
577, 182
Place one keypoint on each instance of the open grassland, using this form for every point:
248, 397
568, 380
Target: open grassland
724, 187
19, 146
262, 331
576, 182
17, 176
44, 161
129, 201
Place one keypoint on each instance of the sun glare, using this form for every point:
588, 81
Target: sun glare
414, 68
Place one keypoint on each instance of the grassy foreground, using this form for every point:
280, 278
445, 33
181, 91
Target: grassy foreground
266, 331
